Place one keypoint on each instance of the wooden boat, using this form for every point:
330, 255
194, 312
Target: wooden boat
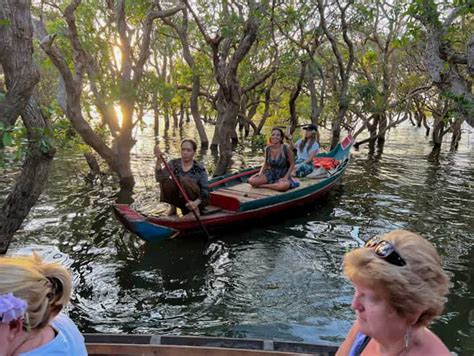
234, 201
120, 344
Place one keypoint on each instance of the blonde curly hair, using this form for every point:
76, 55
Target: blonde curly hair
419, 287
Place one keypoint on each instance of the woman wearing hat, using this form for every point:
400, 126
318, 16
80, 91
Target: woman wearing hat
306, 149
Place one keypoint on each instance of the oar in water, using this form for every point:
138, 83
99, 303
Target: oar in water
183, 192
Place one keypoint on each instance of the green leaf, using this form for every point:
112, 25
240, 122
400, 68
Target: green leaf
2, 126
7, 139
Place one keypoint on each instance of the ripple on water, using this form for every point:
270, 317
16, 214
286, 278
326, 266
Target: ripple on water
274, 281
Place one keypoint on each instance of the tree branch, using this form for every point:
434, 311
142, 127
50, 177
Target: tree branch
260, 80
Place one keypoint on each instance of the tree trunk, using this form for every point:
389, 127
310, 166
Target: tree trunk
30, 183
215, 136
225, 66
382, 128
266, 111
426, 126
226, 129
195, 111
294, 96
456, 134
447, 77
156, 115
16, 50
94, 168
182, 31
167, 117
175, 118
437, 134
373, 133
188, 118
181, 115
316, 105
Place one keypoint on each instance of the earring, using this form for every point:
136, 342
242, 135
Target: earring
407, 338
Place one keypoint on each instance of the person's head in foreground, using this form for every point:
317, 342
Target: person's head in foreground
400, 287
32, 294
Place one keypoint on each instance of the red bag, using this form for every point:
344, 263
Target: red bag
327, 163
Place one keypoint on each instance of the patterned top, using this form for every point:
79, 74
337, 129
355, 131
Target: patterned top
277, 167
197, 173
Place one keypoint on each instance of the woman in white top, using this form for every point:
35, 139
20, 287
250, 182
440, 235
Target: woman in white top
306, 149
32, 295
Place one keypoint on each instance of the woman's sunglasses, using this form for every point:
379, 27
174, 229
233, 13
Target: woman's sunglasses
385, 249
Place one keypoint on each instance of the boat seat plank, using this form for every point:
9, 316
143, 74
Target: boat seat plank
247, 188
242, 194
239, 197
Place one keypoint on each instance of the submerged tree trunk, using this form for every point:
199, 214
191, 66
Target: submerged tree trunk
344, 68
227, 111
446, 73
382, 128
227, 54
156, 115
437, 134
34, 174
182, 31
456, 134
16, 50
130, 75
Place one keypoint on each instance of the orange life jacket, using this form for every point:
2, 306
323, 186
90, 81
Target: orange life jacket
327, 163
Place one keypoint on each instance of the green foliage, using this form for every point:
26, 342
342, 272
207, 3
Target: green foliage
426, 11
258, 141
369, 58
461, 104
13, 137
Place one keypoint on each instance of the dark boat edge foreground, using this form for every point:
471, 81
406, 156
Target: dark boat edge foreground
122, 344
233, 201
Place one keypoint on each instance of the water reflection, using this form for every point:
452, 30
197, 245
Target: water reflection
278, 279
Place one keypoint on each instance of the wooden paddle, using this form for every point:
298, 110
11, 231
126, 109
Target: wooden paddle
183, 192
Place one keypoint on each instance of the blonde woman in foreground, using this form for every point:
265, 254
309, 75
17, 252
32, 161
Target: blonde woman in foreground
400, 287
32, 295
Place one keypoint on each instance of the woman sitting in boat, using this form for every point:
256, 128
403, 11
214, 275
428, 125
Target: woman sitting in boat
32, 295
279, 163
306, 149
400, 287
192, 176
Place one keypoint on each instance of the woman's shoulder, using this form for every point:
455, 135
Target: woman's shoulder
69, 331
68, 340
63, 321
431, 344
351, 336
199, 166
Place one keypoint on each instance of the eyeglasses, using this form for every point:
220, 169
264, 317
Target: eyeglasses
385, 249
